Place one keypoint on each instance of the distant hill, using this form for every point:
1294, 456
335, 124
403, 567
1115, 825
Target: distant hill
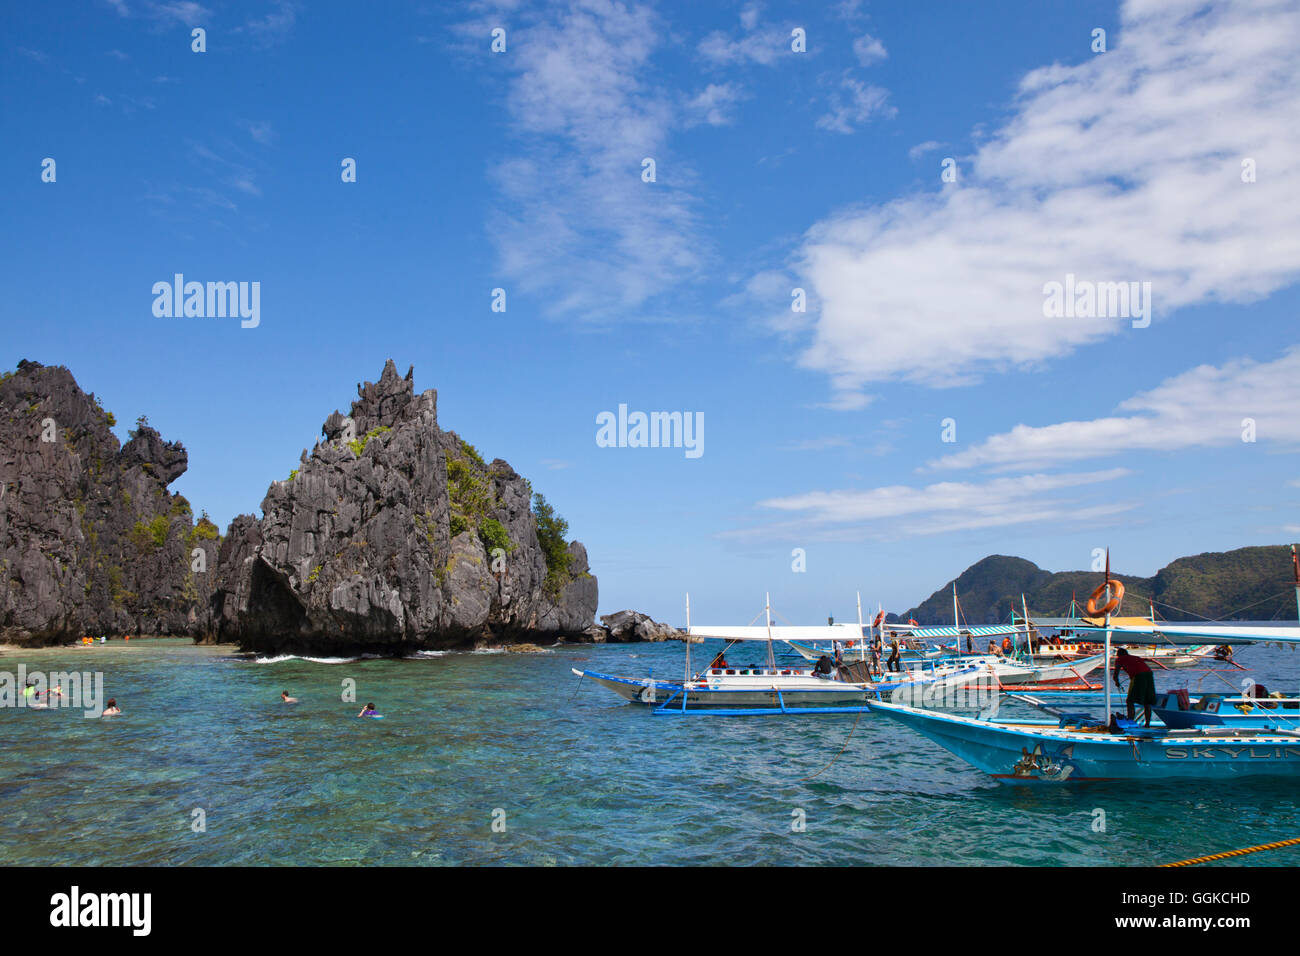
1245, 584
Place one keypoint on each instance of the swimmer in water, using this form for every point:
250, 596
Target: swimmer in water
368, 711
284, 696
111, 710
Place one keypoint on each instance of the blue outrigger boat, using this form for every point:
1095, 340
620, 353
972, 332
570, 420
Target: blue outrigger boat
1206, 743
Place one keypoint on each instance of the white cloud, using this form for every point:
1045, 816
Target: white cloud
920, 149
854, 103
869, 50
1126, 167
578, 226
763, 46
1202, 407
183, 12
903, 510
714, 104
274, 26
262, 131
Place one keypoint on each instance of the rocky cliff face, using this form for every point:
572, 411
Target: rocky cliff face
91, 541
394, 535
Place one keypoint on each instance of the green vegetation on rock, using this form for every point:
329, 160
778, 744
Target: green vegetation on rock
359, 445
552, 532
472, 499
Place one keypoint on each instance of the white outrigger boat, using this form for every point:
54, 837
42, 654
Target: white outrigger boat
1020, 667
772, 688
1077, 747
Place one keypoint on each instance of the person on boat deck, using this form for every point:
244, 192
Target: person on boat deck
720, 661
875, 657
994, 650
1223, 652
970, 643
1006, 645
894, 654
839, 653
1141, 682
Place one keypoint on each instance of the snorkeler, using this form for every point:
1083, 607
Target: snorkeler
284, 696
111, 709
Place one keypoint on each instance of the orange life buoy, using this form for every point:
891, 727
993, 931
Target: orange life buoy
880, 618
1117, 591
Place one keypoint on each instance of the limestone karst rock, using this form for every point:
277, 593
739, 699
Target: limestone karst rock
91, 541
394, 535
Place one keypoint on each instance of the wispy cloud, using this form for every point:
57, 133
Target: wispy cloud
920, 149
852, 103
715, 105
182, 12
1126, 167
869, 50
272, 27
262, 131
576, 225
903, 510
1203, 407
754, 43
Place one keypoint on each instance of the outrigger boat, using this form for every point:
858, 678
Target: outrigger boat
1021, 668
1077, 747
782, 689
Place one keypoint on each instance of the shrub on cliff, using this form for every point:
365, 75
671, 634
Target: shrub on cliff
552, 530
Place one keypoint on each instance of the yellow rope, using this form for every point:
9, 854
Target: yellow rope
1231, 853
852, 730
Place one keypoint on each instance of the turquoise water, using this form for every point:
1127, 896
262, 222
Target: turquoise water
582, 779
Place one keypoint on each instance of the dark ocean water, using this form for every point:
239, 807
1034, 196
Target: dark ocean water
576, 778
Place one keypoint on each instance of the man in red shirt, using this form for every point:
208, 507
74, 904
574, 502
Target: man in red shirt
1141, 682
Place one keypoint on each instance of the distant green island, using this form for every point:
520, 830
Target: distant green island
1245, 584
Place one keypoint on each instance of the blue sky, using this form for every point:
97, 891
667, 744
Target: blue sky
775, 170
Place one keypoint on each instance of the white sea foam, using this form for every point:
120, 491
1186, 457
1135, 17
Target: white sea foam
280, 658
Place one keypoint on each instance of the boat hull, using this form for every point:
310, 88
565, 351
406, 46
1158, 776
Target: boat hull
756, 693
1023, 755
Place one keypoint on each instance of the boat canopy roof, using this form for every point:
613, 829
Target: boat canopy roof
990, 630
781, 632
1207, 633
